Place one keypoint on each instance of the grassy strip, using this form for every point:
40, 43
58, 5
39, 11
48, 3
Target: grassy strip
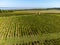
31, 38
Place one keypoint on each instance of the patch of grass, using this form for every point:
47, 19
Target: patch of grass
22, 29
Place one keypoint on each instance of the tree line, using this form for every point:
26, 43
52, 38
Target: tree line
5, 11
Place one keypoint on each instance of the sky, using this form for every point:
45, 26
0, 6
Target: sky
30, 3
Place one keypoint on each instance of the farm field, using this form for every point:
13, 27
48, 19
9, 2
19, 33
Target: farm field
30, 29
27, 12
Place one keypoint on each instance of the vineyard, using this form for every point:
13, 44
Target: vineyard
43, 29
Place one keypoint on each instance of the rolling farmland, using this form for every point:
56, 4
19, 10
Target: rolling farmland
32, 29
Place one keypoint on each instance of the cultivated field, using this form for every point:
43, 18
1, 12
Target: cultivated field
18, 28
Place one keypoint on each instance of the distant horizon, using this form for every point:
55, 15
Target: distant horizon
7, 8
